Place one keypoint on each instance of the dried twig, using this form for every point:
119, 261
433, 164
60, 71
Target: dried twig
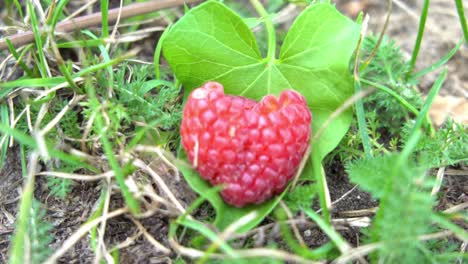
131, 10
294, 228
160, 247
69, 242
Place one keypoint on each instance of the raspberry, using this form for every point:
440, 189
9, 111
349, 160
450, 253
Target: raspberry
252, 149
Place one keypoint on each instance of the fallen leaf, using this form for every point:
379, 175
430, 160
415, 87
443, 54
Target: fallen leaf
455, 108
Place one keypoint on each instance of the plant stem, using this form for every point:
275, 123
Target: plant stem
461, 15
270, 29
417, 45
321, 183
379, 41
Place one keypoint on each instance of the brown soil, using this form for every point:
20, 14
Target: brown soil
443, 32
10, 186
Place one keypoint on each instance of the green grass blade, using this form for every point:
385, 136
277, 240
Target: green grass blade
29, 82
7, 87
18, 8
66, 72
132, 203
38, 39
57, 12
299, 248
461, 15
81, 43
19, 58
115, 255
18, 136
439, 63
106, 57
5, 119
68, 76
130, 200
442, 220
24, 167
430, 99
17, 253
417, 44
204, 230
30, 142
334, 236
105, 15
103, 65
93, 236
400, 99
415, 133
361, 117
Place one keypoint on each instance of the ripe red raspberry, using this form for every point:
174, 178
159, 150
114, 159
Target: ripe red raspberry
251, 148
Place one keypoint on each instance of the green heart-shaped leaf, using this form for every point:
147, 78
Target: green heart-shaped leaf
213, 43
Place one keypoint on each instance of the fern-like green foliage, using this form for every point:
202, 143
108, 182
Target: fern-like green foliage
302, 196
372, 174
39, 233
405, 206
385, 115
389, 68
69, 124
60, 187
138, 99
148, 100
448, 146
388, 65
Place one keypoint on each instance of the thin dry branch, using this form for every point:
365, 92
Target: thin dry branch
95, 19
160, 247
69, 242
366, 249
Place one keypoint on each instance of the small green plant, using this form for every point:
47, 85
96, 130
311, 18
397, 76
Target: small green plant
301, 196
39, 234
60, 187
386, 116
311, 60
448, 146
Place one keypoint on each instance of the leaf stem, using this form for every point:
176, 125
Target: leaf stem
270, 29
381, 37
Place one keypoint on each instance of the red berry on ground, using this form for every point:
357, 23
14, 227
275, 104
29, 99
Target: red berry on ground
251, 148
